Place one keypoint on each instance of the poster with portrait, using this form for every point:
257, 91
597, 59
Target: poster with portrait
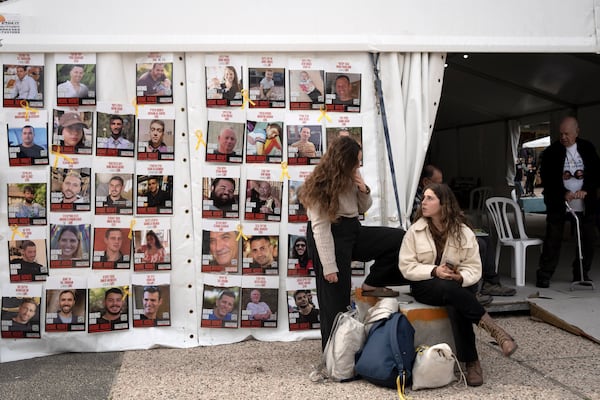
304, 138
152, 244
264, 191
303, 305
72, 132
26, 191
260, 301
70, 240
344, 125
108, 300
264, 136
75, 79
112, 243
27, 254
221, 301
221, 243
115, 129
154, 186
307, 83
221, 191
23, 80
343, 85
300, 261
114, 186
224, 82
156, 133
20, 317
151, 300
27, 134
260, 248
297, 176
266, 81
154, 78
66, 298
70, 188
225, 136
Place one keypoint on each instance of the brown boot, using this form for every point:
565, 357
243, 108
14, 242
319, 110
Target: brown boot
474, 373
506, 342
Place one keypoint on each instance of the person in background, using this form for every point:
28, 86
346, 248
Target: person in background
570, 172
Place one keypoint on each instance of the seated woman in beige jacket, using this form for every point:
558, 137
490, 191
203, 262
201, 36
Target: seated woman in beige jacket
440, 256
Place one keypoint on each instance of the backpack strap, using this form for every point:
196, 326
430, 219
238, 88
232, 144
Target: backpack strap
401, 379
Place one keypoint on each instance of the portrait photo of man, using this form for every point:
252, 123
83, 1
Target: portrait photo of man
26, 201
225, 307
118, 138
343, 92
115, 245
154, 80
21, 315
154, 194
156, 139
151, 305
225, 141
22, 85
27, 263
28, 148
111, 306
65, 307
70, 189
114, 196
223, 250
222, 200
263, 252
78, 81
259, 308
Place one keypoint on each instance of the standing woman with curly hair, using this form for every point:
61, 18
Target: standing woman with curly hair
440, 256
334, 196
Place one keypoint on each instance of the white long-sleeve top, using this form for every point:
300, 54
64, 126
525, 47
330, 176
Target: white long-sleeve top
351, 203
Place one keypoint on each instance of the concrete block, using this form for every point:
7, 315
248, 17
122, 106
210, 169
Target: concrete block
431, 324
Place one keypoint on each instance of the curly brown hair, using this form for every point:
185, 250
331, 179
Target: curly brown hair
452, 216
333, 175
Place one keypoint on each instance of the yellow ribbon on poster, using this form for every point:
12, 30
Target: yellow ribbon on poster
323, 114
135, 104
284, 171
240, 232
25, 104
131, 225
200, 138
58, 155
246, 98
126, 292
15, 231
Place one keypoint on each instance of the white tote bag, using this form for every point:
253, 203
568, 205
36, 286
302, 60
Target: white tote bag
433, 367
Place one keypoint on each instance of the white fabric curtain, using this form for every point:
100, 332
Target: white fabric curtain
412, 85
514, 134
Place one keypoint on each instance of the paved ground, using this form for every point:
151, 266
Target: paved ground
549, 364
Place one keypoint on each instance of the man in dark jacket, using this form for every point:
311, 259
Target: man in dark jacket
570, 172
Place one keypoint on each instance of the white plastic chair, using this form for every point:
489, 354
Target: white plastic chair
499, 207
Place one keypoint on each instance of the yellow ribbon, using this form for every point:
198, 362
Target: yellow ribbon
134, 103
284, 171
131, 225
25, 104
323, 114
58, 155
246, 98
200, 138
125, 292
240, 233
15, 231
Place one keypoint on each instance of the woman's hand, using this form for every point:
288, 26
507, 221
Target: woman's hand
332, 278
447, 273
359, 182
